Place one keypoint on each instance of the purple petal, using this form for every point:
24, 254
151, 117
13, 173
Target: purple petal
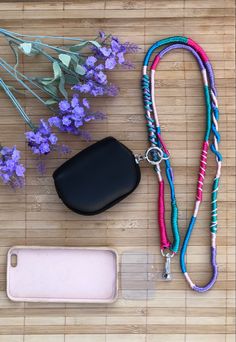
64, 105
90, 61
105, 51
86, 103
110, 63
20, 170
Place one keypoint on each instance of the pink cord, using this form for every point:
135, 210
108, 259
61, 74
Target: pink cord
164, 242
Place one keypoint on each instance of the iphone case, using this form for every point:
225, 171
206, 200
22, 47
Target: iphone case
62, 274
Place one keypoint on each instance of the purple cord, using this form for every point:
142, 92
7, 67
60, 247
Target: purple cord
214, 276
183, 46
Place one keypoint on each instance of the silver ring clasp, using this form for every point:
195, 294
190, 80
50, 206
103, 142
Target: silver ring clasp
159, 153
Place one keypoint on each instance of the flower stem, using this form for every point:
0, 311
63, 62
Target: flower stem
42, 37
14, 35
17, 105
21, 82
17, 72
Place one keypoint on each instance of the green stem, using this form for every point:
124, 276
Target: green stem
16, 72
22, 83
54, 48
17, 105
52, 59
42, 37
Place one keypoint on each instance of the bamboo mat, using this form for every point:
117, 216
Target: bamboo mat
147, 310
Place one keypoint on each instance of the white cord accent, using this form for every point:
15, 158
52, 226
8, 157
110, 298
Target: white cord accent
197, 205
202, 175
214, 98
189, 280
153, 97
204, 75
213, 240
218, 170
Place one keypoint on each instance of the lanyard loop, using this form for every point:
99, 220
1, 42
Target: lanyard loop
154, 131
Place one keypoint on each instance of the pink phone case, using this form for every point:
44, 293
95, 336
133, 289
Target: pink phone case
62, 274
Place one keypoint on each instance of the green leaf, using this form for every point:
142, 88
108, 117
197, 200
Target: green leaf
50, 102
62, 87
65, 59
95, 43
46, 81
26, 48
71, 79
79, 69
15, 51
79, 46
57, 70
51, 89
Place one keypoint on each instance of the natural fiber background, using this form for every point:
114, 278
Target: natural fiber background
35, 216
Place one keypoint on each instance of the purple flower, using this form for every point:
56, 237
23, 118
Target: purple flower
110, 63
112, 90
86, 103
82, 88
11, 170
90, 61
107, 56
41, 141
115, 45
74, 117
74, 102
54, 121
121, 58
101, 78
66, 120
64, 105
99, 67
102, 35
131, 47
78, 110
105, 51
97, 90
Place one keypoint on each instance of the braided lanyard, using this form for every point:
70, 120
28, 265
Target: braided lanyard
169, 249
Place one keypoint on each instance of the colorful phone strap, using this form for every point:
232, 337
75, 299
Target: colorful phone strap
159, 152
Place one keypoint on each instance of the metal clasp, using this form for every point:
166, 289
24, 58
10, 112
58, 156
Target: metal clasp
166, 275
159, 153
146, 156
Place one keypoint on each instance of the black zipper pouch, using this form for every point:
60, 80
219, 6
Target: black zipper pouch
98, 177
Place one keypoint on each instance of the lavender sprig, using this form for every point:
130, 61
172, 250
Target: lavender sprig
11, 170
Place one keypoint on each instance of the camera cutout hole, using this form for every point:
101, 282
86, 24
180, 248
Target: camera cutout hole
13, 260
